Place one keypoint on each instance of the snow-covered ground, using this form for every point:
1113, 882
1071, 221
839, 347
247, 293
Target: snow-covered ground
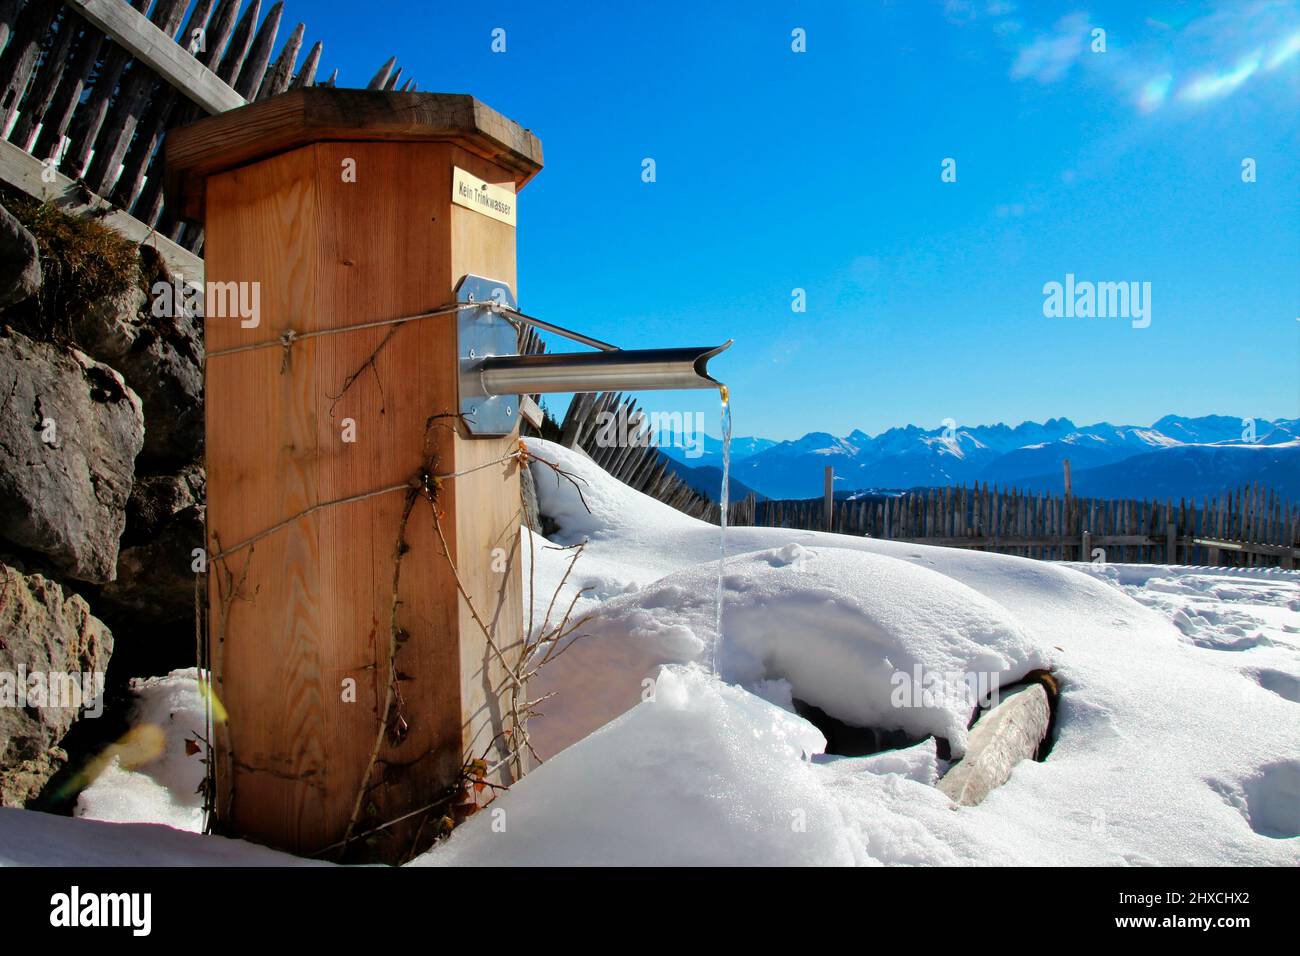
1177, 731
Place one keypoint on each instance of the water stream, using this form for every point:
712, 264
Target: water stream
724, 500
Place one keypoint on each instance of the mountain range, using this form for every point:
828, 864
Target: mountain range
1174, 457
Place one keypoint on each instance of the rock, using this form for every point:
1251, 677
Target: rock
70, 430
156, 498
161, 358
155, 574
45, 632
20, 261
153, 596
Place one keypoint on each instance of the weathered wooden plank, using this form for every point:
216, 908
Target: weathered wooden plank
145, 41
23, 171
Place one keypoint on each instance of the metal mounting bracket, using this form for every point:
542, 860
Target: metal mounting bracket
485, 333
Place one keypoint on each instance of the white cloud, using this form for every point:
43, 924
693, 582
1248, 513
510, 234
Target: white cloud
1050, 56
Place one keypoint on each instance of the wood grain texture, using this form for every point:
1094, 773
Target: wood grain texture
318, 594
315, 114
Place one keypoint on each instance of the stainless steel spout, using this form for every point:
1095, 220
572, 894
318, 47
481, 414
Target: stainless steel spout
494, 378
625, 370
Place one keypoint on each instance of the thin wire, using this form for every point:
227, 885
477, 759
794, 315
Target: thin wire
290, 336
350, 499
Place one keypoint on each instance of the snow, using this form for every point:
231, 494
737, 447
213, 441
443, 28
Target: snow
1168, 750
161, 784
811, 618
1177, 735
28, 838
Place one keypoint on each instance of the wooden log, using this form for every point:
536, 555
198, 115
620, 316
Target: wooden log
72, 82
129, 105
19, 58
1012, 731
378, 81
148, 132
8, 16
259, 54
241, 40
173, 111
307, 75
280, 75
88, 118
41, 90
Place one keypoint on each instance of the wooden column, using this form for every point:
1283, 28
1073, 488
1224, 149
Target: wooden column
301, 622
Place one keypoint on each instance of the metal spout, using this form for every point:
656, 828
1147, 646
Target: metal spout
636, 370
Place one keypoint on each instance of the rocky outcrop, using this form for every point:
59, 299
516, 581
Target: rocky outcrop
20, 262
49, 643
70, 430
159, 351
155, 573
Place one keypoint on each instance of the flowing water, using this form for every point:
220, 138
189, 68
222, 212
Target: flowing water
724, 500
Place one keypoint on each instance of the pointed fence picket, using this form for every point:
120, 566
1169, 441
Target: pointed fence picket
89, 88
1247, 527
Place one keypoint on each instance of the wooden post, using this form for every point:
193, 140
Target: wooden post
338, 205
1066, 463
1171, 543
829, 503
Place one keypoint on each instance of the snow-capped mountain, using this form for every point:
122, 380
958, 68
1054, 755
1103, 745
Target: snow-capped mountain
1028, 454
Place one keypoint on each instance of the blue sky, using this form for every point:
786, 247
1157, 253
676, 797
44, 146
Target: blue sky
821, 170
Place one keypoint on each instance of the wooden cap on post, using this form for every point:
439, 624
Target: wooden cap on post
363, 572
323, 114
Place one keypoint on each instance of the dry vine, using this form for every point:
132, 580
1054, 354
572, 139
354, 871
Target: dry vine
539, 646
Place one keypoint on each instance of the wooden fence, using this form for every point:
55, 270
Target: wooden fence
637, 464
1248, 527
91, 87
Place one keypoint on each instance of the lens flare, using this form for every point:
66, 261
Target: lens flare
1211, 86
1154, 92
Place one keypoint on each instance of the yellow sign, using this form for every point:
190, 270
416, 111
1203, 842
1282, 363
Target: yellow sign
496, 202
